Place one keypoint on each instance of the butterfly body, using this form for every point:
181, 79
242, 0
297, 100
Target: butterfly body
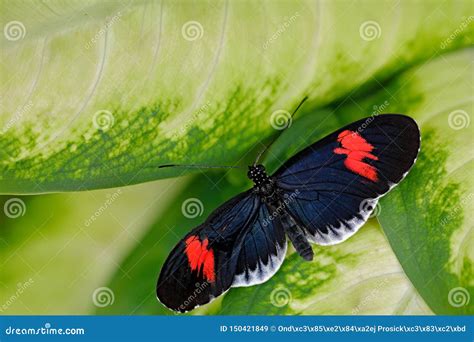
264, 185
272, 196
323, 195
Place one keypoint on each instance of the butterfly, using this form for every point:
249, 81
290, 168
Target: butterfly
322, 195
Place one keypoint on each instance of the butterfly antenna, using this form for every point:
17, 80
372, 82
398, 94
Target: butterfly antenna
275, 138
194, 166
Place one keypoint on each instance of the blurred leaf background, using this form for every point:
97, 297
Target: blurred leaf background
96, 94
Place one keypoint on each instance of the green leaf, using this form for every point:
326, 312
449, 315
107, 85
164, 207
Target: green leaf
210, 100
98, 94
428, 219
430, 234
385, 291
143, 264
59, 249
360, 276
370, 278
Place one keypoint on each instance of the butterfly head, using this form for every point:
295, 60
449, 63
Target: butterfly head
258, 175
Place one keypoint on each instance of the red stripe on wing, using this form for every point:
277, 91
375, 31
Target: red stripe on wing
201, 259
357, 148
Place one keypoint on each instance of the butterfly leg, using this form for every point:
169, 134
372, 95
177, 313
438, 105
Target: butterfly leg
297, 237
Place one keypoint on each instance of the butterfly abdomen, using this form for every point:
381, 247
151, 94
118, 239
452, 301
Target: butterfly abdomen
297, 238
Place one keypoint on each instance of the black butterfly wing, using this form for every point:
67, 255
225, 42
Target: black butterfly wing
237, 246
335, 184
262, 249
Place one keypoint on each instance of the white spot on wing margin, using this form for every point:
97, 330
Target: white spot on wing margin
345, 229
263, 272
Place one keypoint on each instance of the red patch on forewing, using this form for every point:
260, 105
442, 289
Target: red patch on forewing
357, 148
201, 259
